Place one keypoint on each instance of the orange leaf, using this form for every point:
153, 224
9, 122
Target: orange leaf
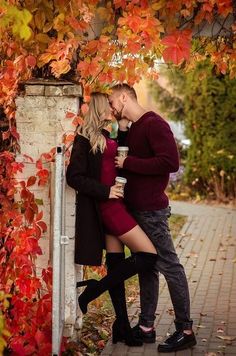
68, 138
84, 108
31, 61
69, 115
60, 67
133, 22
88, 69
133, 47
77, 121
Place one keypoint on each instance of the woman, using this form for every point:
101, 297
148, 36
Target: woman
101, 217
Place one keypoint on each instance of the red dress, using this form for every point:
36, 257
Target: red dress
115, 217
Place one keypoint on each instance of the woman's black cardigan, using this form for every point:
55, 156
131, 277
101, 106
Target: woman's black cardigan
83, 174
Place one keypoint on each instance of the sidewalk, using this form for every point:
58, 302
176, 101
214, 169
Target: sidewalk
206, 247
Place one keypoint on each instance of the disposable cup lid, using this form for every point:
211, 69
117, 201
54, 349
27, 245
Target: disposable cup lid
123, 148
121, 180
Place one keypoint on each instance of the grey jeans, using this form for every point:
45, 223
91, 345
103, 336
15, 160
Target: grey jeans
155, 224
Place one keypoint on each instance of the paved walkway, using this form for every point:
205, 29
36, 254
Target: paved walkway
207, 249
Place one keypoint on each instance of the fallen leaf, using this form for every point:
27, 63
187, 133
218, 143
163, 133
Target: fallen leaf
220, 330
204, 340
203, 314
227, 339
200, 326
192, 254
212, 259
170, 311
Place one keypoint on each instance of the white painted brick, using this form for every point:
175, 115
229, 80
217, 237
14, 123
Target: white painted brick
41, 122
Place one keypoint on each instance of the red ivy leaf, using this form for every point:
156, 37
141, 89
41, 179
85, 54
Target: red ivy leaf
42, 225
29, 215
31, 181
177, 46
28, 158
39, 215
39, 164
5, 135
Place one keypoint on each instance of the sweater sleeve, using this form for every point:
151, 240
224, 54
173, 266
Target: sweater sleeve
77, 172
165, 154
121, 137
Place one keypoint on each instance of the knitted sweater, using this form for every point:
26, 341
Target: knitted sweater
153, 155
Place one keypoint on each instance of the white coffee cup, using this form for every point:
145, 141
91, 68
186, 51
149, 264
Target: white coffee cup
122, 151
121, 181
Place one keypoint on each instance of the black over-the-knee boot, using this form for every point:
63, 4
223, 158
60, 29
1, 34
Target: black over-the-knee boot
121, 330
138, 262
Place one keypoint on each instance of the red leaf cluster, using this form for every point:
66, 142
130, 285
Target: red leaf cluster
28, 316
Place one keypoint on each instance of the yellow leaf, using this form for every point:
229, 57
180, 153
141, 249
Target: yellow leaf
103, 13
40, 19
26, 16
158, 5
47, 27
25, 33
42, 37
108, 29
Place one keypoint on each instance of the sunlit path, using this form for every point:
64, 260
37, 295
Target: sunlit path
207, 249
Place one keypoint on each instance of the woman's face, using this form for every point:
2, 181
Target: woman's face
116, 105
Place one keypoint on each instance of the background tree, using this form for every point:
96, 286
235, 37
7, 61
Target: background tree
206, 103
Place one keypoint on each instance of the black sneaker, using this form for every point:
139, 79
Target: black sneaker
178, 341
148, 337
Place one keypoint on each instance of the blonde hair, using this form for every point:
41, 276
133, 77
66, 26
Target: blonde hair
95, 120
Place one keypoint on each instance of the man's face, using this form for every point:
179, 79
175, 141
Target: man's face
116, 105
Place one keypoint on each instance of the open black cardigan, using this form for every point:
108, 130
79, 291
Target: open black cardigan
83, 174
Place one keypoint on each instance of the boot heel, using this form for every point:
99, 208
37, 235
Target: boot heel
87, 282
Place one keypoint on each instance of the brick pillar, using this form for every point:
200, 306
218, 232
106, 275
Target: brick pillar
41, 122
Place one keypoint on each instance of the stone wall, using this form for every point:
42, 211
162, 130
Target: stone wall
41, 122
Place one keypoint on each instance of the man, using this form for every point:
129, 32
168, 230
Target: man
152, 157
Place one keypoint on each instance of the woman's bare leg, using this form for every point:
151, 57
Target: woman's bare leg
137, 240
113, 244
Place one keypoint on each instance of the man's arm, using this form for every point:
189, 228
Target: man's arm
122, 132
165, 154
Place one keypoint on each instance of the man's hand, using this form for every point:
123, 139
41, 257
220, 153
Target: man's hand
123, 124
119, 161
115, 192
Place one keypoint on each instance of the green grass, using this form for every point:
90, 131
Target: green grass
97, 323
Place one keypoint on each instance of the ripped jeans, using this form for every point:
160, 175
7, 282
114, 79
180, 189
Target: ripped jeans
155, 224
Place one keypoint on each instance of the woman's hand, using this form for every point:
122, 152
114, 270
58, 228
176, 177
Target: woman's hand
115, 192
123, 124
119, 161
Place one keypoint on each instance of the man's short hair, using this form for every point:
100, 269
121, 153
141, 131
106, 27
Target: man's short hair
125, 87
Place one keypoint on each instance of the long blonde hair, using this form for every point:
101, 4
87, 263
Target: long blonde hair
95, 120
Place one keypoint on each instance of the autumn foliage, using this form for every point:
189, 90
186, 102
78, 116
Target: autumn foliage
94, 43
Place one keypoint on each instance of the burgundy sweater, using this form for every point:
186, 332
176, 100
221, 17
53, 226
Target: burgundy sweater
153, 155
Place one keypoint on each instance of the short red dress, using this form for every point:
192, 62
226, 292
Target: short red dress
115, 217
